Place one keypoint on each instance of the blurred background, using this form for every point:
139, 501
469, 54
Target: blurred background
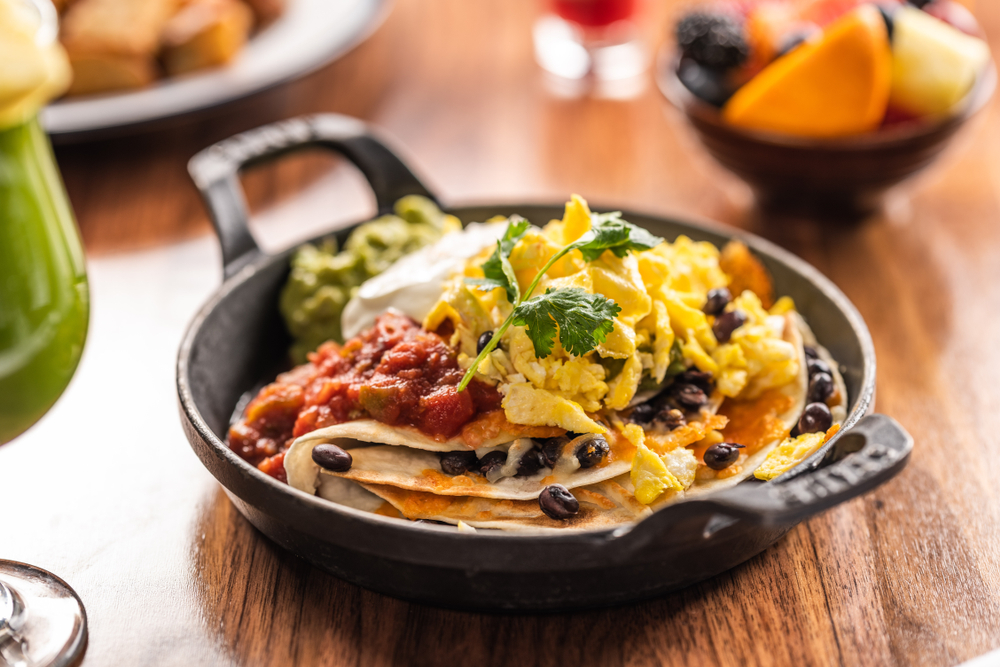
457, 86
159, 555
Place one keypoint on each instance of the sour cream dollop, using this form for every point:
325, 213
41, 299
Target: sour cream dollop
415, 283
33, 66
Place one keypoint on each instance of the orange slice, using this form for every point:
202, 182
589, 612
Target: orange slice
835, 86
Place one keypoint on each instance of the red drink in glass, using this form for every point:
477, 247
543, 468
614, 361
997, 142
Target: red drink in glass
595, 39
594, 13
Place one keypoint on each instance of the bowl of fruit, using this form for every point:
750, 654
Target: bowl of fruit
823, 105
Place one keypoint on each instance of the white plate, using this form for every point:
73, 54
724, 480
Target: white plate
308, 35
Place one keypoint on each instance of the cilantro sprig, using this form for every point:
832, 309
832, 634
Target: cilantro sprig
581, 320
497, 269
584, 320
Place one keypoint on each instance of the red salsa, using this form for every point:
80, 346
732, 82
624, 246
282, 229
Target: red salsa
395, 372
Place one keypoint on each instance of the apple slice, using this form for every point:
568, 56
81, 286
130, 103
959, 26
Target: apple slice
934, 65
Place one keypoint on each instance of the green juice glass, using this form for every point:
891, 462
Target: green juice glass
44, 311
44, 301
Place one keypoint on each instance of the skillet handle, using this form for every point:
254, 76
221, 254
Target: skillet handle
860, 460
215, 171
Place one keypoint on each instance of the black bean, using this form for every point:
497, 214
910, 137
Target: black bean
820, 388
484, 340
664, 400
643, 413
557, 502
722, 455
457, 463
689, 396
552, 449
816, 418
818, 366
811, 352
592, 451
530, 463
717, 301
700, 379
332, 458
671, 419
727, 323
706, 83
494, 459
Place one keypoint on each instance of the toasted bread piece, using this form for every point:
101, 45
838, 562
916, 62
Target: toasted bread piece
267, 10
116, 27
98, 73
205, 33
112, 44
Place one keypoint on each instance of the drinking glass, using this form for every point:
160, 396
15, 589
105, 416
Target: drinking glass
575, 39
44, 312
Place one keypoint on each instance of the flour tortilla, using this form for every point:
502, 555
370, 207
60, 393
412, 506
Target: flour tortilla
417, 470
371, 431
303, 473
839, 411
599, 509
408, 476
798, 333
347, 493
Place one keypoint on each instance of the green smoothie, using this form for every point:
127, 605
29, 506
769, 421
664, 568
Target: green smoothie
44, 302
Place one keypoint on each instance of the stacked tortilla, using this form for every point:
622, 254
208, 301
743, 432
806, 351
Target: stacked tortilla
398, 470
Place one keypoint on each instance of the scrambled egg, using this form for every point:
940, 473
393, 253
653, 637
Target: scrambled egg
791, 452
651, 477
653, 474
661, 293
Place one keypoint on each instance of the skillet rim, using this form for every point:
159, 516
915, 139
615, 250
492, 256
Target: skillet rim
864, 402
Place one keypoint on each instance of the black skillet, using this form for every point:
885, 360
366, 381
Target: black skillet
237, 341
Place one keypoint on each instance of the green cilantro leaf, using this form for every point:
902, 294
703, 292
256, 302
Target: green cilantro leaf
609, 232
512, 287
497, 269
508, 280
583, 320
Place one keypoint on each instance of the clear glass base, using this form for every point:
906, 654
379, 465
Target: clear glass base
42, 621
614, 53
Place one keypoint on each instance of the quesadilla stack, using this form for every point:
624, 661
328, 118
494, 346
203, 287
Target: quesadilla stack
574, 377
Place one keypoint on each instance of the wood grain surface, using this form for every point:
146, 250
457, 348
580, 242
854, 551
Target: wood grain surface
106, 492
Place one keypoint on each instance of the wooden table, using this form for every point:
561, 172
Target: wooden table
106, 493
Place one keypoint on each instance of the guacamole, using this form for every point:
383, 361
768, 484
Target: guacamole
323, 280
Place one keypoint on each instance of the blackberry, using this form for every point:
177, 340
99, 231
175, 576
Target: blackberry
706, 83
712, 40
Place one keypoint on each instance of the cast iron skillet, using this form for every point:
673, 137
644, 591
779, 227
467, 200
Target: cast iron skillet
237, 341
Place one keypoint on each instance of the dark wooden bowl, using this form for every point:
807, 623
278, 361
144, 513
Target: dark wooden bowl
844, 177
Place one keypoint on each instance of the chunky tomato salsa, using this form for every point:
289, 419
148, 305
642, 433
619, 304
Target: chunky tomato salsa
395, 373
